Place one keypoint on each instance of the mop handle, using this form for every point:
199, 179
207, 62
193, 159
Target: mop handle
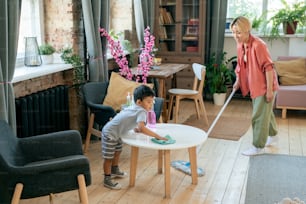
220, 113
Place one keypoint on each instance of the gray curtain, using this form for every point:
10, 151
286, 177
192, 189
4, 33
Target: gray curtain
9, 21
144, 16
215, 27
95, 13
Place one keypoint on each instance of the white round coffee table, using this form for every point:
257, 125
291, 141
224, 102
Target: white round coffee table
186, 137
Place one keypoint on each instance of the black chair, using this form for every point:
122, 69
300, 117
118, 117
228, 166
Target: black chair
99, 114
41, 165
158, 108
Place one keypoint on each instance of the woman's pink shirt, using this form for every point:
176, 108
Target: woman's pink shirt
252, 72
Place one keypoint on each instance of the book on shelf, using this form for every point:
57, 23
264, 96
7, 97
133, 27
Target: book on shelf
190, 37
165, 16
193, 21
167, 2
162, 32
169, 17
161, 20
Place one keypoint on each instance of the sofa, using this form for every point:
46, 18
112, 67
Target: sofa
292, 79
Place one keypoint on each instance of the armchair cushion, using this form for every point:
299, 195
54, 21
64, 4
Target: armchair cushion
291, 72
51, 146
118, 89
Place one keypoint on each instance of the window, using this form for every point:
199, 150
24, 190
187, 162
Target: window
254, 8
31, 21
249, 8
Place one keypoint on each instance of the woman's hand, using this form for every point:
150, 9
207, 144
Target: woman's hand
269, 96
236, 85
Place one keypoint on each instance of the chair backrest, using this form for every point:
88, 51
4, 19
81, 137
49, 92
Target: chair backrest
95, 92
158, 107
200, 72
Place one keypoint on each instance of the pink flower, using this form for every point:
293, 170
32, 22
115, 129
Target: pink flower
145, 58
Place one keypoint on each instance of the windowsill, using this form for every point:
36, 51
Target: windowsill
25, 73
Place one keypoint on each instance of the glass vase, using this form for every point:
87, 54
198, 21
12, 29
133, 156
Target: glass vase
31, 57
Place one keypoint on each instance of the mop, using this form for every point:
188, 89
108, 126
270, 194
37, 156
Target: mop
184, 166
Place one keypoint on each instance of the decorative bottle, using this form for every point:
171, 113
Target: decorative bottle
128, 99
151, 119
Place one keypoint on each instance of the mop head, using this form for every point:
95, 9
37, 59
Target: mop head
185, 167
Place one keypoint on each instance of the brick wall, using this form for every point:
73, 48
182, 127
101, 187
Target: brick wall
63, 24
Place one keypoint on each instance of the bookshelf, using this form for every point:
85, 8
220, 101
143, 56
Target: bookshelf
180, 33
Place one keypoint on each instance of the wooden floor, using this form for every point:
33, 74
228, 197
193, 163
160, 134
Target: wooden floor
226, 169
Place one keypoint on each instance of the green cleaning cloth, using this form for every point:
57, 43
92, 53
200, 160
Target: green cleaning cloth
164, 142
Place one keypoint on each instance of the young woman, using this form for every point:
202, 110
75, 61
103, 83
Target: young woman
255, 74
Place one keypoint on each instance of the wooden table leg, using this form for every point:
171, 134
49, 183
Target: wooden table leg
162, 88
133, 165
193, 164
160, 161
167, 173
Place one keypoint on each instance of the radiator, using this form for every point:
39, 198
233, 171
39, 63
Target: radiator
43, 112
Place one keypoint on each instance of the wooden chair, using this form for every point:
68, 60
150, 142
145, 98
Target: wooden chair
195, 93
41, 165
99, 114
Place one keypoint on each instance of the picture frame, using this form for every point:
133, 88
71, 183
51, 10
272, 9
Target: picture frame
192, 31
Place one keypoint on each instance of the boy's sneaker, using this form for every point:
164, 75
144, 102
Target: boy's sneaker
253, 151
117, 173
109, 183
271, 140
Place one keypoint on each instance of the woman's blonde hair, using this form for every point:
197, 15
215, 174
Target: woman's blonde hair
242, 23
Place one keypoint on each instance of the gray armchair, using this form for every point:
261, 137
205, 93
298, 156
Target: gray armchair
99, 114
41, 165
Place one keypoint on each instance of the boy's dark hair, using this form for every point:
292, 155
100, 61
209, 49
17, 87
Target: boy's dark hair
142, 91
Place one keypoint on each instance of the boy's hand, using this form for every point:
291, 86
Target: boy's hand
161, 138
136, 130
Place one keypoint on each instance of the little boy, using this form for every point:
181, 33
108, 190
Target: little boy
133, 117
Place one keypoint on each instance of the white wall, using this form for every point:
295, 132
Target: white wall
290, 45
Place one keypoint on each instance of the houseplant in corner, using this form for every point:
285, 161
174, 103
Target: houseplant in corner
69, 57
218, 77
289, 17
46, 52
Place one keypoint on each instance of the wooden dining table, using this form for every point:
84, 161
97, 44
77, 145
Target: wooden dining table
163, 72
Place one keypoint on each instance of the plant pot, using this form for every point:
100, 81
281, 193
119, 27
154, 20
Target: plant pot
219, 98
290, 28
47, 59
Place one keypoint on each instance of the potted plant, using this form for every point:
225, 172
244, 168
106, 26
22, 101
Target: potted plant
218, 76
69, 57
256, 23
289, 17
46, 51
